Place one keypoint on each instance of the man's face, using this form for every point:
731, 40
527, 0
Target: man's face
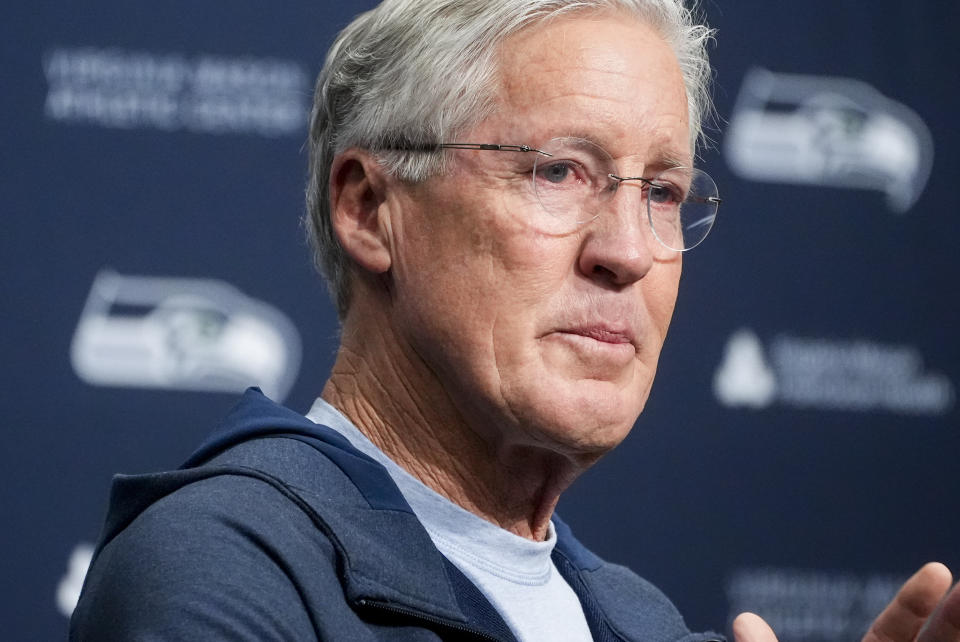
540, 338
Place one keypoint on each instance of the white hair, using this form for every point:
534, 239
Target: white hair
419, 72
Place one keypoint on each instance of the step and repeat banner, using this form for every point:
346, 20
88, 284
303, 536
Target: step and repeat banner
798, 457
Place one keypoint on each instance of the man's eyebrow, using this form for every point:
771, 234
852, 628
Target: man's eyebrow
666, 161
661, 161
670, 161
581, 135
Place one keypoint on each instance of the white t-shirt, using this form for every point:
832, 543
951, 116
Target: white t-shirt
516, 574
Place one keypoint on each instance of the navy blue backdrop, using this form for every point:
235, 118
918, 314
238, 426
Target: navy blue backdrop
798, 455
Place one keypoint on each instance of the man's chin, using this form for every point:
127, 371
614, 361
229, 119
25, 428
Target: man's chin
592, 419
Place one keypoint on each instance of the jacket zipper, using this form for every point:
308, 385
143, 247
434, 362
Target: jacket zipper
425, 617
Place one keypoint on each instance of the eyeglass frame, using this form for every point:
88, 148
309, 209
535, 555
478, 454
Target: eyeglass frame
497, 147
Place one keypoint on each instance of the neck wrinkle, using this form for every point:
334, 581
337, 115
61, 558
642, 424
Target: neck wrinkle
402, 407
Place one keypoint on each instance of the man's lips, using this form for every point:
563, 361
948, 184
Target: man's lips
601, 333
602, 348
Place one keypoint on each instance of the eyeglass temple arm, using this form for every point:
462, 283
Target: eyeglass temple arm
492, 147
475, 146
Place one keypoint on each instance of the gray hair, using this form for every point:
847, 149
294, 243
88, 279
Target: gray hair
416, 72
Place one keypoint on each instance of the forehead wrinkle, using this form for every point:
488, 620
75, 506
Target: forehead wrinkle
601, 84
587, 102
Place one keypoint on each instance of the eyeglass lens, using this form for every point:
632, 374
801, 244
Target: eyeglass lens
577, 181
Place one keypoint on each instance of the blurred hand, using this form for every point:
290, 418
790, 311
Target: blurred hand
918, 613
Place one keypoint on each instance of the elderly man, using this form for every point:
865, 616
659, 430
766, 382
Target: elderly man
501, 192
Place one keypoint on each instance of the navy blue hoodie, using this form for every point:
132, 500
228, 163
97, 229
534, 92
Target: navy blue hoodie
278, 529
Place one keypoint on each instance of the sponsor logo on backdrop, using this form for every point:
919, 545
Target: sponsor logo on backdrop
827, 374
811, 606
837, 132
68, 590
183, 334
121, 89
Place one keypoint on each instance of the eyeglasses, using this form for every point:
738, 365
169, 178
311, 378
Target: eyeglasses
574, 179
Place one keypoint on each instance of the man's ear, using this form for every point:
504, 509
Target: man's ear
358, 195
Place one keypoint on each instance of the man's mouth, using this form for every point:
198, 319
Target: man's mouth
601, 333
601, 336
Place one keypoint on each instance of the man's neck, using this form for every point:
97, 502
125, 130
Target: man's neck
402, 407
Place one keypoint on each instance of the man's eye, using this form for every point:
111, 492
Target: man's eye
663, 194
555, 172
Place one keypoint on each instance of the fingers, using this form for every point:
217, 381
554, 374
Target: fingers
749, 627
944, 624
917, 599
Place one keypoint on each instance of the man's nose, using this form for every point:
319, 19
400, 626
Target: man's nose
617, 247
